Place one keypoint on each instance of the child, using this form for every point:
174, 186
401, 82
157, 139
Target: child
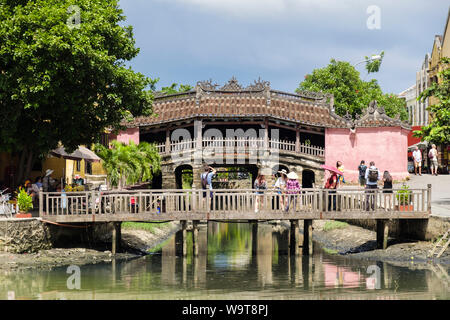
158, 206
340, 167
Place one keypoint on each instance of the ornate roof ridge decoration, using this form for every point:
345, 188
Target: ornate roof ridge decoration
259, 85
376, 116
207, 85
232, 85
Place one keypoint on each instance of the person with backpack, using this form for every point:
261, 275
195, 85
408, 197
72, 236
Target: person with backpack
372, 176
362, 173
433, 155
206, 179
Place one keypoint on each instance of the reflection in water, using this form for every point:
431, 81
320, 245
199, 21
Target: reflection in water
235, 261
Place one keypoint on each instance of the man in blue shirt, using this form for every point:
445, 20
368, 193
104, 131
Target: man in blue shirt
372, 176
206, 179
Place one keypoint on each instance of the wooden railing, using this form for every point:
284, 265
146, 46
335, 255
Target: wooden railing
238, 144
234, 204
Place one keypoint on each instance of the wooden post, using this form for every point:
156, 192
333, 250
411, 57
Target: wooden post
41, 202
382, 233
195, 236
167, 148
294, 238
198, 135
92, 202
297, 139
114, 239
307, 237
429, 199
266, 134
254, 236
184, 232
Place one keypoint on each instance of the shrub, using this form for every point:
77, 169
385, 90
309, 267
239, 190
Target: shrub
24, 200
404, 195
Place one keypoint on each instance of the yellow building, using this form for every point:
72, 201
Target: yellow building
441, 48
63, 169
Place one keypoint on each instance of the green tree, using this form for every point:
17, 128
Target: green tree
173, 88
129, 164
373, 65
64, 79
351, 94
438, 130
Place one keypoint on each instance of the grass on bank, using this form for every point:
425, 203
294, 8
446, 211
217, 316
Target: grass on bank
330, 251
331, 225
150, 227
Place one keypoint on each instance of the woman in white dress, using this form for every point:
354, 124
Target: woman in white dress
280, 186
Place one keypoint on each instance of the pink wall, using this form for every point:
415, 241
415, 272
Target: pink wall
126, 136
387, 146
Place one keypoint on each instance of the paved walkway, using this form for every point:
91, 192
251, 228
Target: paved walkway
440, 192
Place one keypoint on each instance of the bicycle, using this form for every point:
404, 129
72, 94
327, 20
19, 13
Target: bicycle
6, 208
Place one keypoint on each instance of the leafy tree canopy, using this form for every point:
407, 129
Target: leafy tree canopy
62, 76
173, 88
129, 164
351, 93
373, 65
438, 131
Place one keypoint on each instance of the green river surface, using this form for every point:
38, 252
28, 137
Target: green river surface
235, 261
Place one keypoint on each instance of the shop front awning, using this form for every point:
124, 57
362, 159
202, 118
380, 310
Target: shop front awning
82, 153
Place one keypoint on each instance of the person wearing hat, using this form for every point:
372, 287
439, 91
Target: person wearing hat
292, 189
280, 186
47, 182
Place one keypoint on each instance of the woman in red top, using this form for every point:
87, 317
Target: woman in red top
331, 184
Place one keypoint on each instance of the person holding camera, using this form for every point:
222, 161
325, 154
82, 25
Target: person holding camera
206, 179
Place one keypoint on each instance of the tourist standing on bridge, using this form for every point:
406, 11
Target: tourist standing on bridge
372, 177
260, 186
280, 186
206, 179
362, 173
387, 189
331, 184
340, 167
292, 188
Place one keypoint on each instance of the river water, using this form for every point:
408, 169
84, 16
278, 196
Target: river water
235, 261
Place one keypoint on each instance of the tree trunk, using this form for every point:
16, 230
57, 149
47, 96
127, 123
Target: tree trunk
20, 170
30, 162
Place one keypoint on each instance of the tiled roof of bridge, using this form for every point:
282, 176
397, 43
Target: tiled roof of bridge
234, 101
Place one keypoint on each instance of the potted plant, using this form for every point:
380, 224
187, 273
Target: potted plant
404, 199
25, 203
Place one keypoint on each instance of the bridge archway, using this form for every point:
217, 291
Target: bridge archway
157, 181
308, 178
184, 177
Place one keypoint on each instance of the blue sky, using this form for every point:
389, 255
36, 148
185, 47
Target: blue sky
281, 41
